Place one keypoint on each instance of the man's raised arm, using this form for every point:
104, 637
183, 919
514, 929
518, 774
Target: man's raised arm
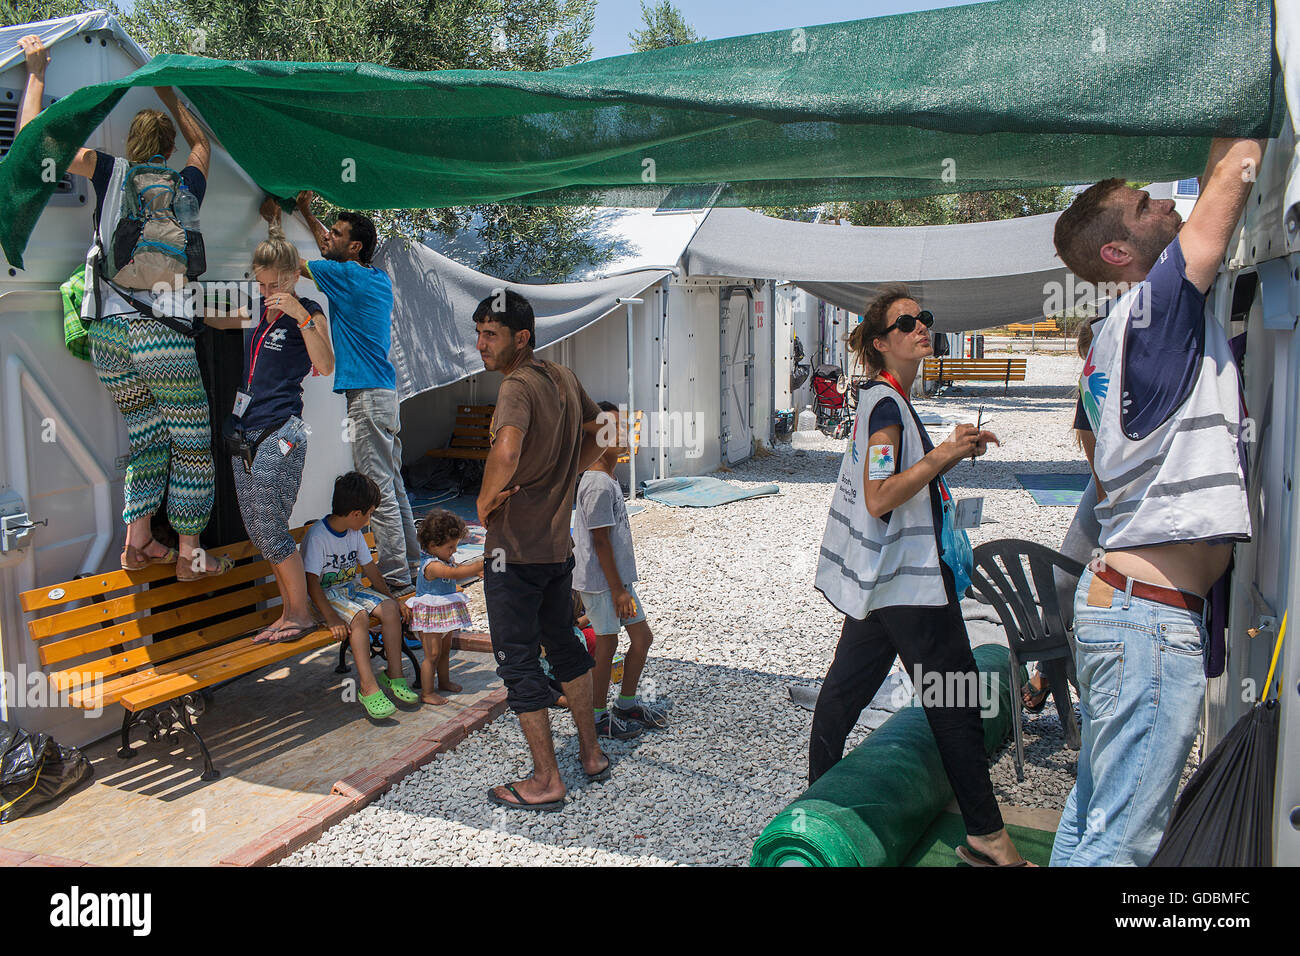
1229, 175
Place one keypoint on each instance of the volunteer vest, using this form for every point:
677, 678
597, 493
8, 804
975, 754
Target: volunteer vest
1183, 482
865, 563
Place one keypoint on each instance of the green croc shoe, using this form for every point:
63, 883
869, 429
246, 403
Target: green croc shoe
377, 705
398, 687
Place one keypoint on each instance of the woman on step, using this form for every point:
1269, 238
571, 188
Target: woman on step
149, 368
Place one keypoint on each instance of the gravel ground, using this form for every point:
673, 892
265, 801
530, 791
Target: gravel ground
729, 596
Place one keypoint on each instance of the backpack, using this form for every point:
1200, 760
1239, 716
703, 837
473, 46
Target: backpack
140, 242
150, 246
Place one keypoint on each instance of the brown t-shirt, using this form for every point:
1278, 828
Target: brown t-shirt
549, 405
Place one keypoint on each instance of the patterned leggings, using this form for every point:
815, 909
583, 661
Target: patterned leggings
152, 373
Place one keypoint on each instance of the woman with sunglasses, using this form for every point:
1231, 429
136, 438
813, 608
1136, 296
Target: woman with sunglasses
883, 566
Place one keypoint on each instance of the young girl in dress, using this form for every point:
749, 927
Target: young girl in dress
438, 609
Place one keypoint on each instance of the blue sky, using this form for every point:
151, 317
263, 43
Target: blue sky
715, 19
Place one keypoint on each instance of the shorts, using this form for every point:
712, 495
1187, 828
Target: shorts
438, 614
350, 599
600, 610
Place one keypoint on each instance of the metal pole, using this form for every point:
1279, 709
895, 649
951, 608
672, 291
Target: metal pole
631, 397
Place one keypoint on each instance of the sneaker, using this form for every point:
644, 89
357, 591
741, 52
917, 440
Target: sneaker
611, 725
652, 716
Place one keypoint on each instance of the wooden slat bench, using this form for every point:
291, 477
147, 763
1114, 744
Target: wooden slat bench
184, 637
1045, 327
471, 436
1005, 371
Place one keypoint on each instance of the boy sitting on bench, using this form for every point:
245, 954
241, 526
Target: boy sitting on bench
335, 555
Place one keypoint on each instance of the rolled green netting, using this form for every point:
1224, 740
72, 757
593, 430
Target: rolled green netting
872, 807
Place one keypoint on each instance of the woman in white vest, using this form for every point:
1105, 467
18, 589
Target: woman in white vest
881, 565
148, 367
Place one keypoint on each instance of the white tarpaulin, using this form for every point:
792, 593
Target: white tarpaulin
971, 276
52, 31
434, 299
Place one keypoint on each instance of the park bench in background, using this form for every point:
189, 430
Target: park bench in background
471, 435
945, 370
1045, 327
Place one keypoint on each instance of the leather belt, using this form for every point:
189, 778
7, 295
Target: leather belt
1171, 597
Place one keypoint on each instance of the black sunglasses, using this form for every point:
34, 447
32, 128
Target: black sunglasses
907, 323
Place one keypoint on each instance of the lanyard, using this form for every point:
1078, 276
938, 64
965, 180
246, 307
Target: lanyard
888, 377
252, 362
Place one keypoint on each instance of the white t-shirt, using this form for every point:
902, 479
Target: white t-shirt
333, 557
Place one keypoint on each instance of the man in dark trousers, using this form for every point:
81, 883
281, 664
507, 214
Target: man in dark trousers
543, 435
1161, 394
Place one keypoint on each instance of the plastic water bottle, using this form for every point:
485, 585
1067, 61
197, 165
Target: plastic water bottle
807, 419
186, 207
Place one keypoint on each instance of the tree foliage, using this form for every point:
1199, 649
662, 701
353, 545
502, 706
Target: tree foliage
13, 12
664, 26
936, 210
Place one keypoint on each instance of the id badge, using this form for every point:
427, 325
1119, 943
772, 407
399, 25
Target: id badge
242, 399
970, 511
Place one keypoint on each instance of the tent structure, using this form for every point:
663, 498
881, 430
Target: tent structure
971, 276
1012, 93
695, 355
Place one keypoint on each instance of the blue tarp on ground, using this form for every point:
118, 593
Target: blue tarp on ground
701, 491
1055, 490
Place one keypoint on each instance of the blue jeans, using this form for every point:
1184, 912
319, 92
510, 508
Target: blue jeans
1141, 684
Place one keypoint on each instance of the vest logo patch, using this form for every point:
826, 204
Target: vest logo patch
1093, 386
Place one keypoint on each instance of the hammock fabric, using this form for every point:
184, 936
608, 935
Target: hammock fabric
1012, 94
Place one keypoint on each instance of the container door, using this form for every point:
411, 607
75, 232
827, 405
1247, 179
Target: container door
737, 332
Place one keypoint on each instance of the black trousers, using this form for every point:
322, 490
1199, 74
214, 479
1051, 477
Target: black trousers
530, 606
934, 640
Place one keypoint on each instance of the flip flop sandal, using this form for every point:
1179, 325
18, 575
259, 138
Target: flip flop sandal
398, 687
135, 559
600, 776
378, 707
224, 564
976, 858
522, 804
1034, 701
289, 634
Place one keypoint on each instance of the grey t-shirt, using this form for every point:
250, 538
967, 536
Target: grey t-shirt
601, 505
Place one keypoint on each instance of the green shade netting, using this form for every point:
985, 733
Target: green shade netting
1013, 94
873, 806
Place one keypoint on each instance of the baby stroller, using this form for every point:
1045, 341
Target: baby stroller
832, 402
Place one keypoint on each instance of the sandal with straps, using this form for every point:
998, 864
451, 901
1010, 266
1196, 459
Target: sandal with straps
135, 559
224, 564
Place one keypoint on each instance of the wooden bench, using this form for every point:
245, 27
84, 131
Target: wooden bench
471, 435
949, 370
1045, 327
156, 645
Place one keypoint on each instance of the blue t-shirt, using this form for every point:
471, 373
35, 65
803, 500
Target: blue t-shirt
282, 364
1164, 345
361, 322
440, 587
882, 416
